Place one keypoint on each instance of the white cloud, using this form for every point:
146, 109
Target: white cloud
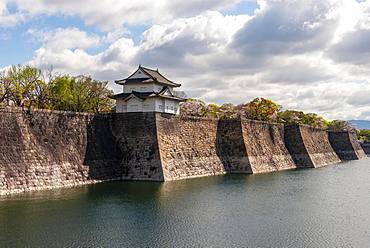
283, 27
313, 58
353, 46
65, 38
108, 14
8, 19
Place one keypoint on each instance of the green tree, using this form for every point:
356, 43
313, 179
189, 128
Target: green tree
364, 135
213, 110
80, 94
5, 89
23, 81
99, 100
261, 109
339, 125
301, 118
291, 117
314, 120
61, 95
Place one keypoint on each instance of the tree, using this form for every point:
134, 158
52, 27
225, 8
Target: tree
227, 111
314, 120
99, 100
364, 135
80, 94
301, 118
213, 110
338, 126
23, 81
5, 89
60, 90
193, 107
291, 117
260, 109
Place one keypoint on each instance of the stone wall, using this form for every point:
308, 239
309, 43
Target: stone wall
309, 147
43, 149
366, 148
345, 144
188, 147
296, 146
231, 148
195, 147
136, 136
318, 146
48, 149
265, 145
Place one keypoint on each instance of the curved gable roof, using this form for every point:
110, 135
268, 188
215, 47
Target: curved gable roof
154, 75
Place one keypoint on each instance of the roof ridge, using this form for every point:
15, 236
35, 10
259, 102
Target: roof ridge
150, 69
152, 74
157, 71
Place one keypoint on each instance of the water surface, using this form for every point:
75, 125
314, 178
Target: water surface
325, 207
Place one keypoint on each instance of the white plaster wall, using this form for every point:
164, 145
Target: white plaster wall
138, 87
134, 105
159, 105
139, 74
143, 87
171, 106
158, 87
149, 105
121, 106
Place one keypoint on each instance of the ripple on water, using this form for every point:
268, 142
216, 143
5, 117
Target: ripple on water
325, 207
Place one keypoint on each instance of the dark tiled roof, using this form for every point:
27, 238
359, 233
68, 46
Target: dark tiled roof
137, 80
142, 95
145, 95
154, 75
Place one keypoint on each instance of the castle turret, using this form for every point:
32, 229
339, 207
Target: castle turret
147, 90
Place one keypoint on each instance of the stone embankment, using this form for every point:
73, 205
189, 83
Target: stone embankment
43, 149
366, 148
346, 145
309, 147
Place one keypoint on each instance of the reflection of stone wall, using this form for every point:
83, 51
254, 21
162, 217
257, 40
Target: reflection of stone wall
346, 145
51, 149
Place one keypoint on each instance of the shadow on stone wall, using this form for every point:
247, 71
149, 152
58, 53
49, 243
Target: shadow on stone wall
11, 146
136, 137
230, 147
366, 147
295, 144
341, 143
102, 155
82, 142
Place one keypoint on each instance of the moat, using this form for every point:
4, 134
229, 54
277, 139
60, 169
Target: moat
326, 207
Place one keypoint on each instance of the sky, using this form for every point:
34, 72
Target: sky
309, 55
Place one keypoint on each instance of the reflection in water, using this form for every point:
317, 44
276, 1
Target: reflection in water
324, 207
